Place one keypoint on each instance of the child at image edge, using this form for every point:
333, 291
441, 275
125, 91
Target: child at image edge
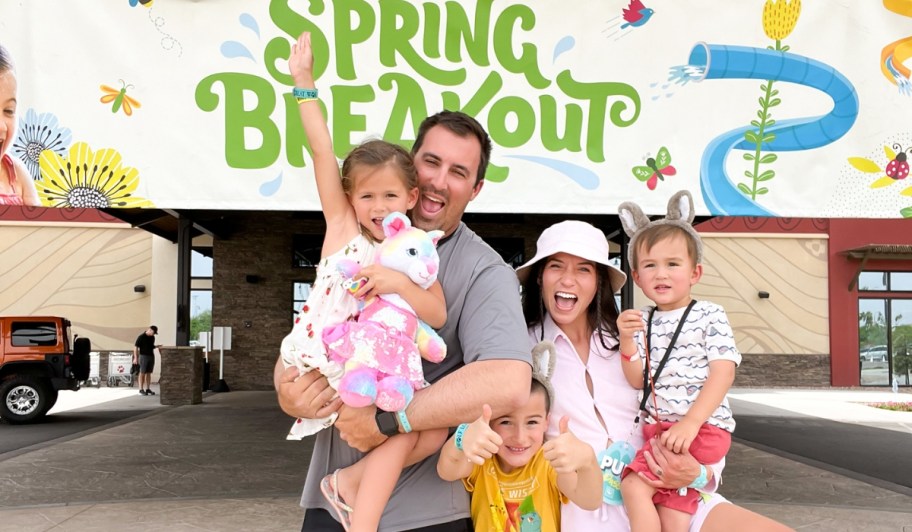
517, 482
665, 259
377, 178
16, 184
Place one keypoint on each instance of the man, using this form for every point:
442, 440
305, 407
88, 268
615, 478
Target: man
144, 355
488, 360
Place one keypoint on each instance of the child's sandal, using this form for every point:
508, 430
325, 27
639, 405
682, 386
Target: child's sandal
330, 488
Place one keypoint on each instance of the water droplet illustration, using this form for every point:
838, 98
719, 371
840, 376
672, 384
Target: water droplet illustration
271, 187
248, 21
563, 45
232, 49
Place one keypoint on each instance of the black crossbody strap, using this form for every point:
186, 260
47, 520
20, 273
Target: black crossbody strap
647, 389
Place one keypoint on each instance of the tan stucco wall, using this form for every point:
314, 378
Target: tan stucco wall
84, 272
164, 286
792, 268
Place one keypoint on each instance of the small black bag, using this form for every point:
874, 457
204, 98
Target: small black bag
134, 369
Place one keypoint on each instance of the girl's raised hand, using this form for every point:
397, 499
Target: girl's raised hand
300, 64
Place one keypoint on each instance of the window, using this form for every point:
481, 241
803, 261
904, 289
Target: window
872, 281
200, 297
885, 329
885, 282
34, 333
901, 281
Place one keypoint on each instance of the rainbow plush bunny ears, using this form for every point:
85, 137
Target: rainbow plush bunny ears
544, 355
680, 214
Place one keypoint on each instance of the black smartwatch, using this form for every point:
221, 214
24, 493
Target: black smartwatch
387, 423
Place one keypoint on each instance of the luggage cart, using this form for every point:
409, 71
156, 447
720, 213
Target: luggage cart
119, 369
94, 370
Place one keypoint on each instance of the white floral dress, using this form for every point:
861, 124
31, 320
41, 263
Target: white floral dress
329, 303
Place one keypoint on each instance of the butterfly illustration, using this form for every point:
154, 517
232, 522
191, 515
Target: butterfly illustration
655, 169
144, 3
120, 98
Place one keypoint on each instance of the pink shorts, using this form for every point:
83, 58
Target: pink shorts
709, 447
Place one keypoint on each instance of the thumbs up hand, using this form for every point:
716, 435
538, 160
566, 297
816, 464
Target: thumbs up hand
480, 442
567, 453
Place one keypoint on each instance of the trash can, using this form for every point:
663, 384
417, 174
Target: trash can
94, 370
119, 369
181, 381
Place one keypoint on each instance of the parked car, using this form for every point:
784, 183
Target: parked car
37, 360
877, 353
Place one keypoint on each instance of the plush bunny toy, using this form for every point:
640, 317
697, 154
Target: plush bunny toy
382, 350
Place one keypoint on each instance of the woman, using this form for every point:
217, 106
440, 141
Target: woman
568, 298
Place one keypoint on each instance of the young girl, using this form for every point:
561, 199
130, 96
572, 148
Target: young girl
16, 185
377, 178
518, 482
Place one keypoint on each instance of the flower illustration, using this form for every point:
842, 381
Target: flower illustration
88, 179
39, 132
780, 17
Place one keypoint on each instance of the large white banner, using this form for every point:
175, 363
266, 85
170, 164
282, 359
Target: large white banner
784, 108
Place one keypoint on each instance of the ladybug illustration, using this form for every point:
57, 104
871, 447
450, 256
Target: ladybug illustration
898, 168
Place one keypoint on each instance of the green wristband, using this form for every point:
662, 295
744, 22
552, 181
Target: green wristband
701, 481
304, 94
457, 436
404, 422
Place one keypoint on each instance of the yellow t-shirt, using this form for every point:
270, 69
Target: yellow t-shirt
524, 500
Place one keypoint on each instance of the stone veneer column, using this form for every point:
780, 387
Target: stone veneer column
181, 381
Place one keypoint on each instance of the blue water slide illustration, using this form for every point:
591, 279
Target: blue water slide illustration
716, 61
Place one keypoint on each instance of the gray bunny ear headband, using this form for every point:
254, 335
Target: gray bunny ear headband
544, 355
680, 213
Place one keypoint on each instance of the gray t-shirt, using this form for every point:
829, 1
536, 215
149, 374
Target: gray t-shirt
484, 322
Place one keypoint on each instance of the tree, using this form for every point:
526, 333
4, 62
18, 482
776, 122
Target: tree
202, 322
872, 330
902, 350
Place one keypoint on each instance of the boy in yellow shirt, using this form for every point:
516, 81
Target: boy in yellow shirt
518, 481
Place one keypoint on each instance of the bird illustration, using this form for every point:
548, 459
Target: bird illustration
636, 14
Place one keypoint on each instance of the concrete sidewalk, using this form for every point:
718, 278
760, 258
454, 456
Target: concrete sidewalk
225, 465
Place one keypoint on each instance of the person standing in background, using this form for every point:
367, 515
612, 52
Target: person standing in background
144, 355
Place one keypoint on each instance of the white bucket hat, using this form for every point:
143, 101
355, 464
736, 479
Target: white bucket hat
575, 238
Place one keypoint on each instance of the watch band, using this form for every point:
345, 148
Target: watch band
387, 423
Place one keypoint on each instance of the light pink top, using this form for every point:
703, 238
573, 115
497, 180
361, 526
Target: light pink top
617, 402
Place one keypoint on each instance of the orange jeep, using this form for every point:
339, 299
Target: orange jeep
37, 359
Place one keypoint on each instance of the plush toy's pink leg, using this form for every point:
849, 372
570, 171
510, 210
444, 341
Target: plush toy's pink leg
358, 387
394, 393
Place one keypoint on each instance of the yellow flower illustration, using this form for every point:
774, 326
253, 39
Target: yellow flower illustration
780, 17
88, 179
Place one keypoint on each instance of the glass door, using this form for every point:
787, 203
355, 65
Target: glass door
901, 341
872, 342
